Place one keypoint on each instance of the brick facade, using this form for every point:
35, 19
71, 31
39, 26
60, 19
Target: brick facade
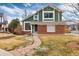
42, 29
59, 29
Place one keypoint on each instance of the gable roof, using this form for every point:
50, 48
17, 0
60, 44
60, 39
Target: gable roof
42, 9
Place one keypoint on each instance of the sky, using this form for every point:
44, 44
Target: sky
17, 10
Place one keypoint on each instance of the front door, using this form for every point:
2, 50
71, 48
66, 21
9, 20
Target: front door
34, 28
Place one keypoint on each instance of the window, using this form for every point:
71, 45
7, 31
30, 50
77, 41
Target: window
50, 28
48, 15
36, 17
27, 26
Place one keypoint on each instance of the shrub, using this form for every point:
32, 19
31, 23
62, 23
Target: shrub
13, 25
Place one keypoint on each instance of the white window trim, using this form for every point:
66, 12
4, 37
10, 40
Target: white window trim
58, 16
52, 29
37, 17
48, 18
30, 25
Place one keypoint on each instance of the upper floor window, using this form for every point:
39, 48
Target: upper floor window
36, 17
48, 15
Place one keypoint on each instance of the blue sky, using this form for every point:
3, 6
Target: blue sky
16, 10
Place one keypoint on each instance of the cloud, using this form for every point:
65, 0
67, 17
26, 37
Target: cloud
65, 7
7, 9
12, 11
27, 4
18, 10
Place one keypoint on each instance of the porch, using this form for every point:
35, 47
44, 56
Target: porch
31, 28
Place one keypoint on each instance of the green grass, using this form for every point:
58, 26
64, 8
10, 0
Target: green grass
57, 45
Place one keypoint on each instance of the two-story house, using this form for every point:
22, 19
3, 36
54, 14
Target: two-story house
47, 20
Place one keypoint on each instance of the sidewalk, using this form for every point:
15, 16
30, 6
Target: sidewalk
29, 49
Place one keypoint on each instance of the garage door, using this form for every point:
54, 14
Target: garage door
50, 28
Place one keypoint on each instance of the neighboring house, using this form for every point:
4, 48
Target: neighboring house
73, 25
47, 20
3, 23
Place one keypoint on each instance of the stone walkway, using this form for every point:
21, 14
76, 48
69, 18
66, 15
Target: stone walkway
29, 49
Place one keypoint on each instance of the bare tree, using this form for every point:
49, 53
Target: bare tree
75, 7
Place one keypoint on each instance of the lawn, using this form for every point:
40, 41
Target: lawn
57, 45
10, 42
